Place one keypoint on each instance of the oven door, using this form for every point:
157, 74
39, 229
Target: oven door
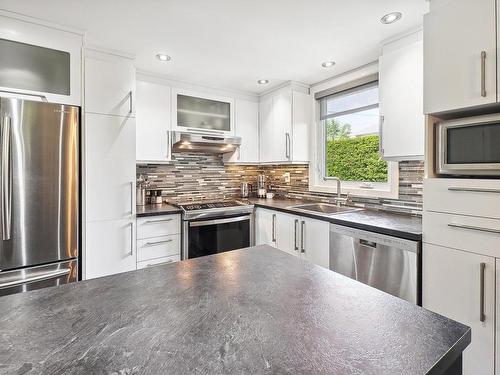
469, 147
207, 237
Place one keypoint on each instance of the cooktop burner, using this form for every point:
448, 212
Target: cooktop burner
208, 205
203, 210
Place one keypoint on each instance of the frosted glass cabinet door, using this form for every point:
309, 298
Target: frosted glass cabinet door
28, 67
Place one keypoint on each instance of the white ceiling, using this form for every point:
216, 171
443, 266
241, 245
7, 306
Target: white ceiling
233, 43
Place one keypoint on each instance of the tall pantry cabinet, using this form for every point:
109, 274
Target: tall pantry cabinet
109, 165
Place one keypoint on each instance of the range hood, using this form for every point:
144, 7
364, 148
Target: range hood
204, 142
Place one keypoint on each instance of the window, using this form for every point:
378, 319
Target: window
348, 143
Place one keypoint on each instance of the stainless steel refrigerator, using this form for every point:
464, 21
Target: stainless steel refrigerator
39, 194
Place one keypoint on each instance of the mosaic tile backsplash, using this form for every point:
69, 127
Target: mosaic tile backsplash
204, 176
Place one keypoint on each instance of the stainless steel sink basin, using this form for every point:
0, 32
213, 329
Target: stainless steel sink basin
324, 208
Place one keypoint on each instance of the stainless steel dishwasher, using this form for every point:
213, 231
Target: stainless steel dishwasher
384, 262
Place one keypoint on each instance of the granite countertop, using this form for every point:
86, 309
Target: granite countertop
250, 311
156, 210
398, 225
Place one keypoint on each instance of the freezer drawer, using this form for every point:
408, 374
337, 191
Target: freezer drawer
26, 279
387, 263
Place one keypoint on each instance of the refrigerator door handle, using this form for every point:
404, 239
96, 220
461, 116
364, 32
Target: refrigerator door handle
30, 279
6, 180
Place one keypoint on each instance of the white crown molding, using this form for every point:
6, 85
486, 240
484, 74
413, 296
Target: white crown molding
143, 75
346, 73
40, 22
109, 51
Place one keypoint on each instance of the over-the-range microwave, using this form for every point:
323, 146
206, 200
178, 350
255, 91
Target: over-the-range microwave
469, 146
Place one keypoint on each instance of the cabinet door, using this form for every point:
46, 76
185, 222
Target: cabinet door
455, 35
266, 130
109, 167
315, 241
264, 227
153, 123
110, 247
301, 119
451, 287
247, 127
282, 127
287, 233
401, 102
109, 86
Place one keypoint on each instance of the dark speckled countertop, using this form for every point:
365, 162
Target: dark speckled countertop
398, 225
250, 311
156, 210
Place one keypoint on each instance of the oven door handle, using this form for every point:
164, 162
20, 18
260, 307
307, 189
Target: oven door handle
218, 221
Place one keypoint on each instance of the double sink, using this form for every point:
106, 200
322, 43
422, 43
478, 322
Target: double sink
323, 209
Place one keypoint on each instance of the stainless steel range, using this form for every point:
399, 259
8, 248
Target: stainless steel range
215, 227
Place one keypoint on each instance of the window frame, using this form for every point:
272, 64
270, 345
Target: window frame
320, 182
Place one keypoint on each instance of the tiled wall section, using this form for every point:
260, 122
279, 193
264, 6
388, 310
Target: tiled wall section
200, 176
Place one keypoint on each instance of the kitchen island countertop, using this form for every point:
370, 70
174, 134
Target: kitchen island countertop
253, 311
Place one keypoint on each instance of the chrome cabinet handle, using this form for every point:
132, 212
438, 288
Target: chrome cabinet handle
274, 228
474, 190
168, 145
482, 316
287, 145
159, 264
6, 180
381, 135
473, 227
483, 74
296, 246
46, 276
131, 103
155, 243
131, 238
157, 221
302, 237
41, 96
132, 188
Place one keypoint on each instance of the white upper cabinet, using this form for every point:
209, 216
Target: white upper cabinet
194, 111
284, 126
153, 123
401, 99
60, 55
246, 127
460, 55
109, 84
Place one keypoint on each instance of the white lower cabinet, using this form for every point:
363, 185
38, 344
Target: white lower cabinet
110, 247
296, 235
315, 241
452, 285
265, 227
158, 240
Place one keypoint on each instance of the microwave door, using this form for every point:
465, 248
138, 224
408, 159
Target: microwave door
469, 147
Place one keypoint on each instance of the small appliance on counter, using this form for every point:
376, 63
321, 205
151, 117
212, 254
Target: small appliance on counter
261, 191
245, 189
141, 186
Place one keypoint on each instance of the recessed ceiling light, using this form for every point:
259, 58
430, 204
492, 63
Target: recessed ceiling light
163, 57
391, 18
328, 64
262, 81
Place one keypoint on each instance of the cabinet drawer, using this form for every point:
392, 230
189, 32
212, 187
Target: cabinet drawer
460, 196
157, 226
158, 261
158, 247
474, 234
